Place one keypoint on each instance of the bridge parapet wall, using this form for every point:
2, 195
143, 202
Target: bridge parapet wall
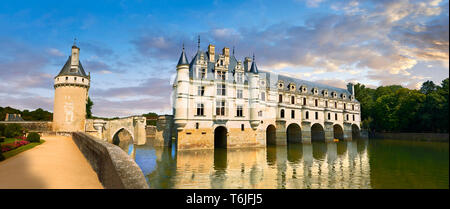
114, 168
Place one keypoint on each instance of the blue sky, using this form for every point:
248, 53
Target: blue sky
131, 47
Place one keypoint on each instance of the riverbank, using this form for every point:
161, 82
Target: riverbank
437, 137
55, 164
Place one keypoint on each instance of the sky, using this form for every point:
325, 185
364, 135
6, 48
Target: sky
131, 47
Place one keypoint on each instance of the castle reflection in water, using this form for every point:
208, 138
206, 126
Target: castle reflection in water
317, 165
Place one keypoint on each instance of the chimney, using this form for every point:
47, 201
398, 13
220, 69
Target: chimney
351, 88
226, 53
247, 64
75, 57
211, 53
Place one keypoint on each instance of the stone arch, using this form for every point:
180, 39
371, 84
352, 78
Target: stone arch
124, 139
317, 132
338, 132
271, 135
355, 132
220, 137
294, 133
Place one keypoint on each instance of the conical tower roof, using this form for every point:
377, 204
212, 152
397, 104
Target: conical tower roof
254, 69
183, 59
68, 70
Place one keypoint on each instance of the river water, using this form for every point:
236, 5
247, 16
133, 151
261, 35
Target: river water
356, 164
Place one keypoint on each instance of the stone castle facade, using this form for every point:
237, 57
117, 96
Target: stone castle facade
219, 101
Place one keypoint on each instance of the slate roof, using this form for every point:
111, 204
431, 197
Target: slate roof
273, 82
66, 69
183, 59
299, 82
13, 117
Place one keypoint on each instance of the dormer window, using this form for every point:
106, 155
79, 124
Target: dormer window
343, 96
280, 85
292, 87
303, 89
333, 94
352, 97
315, 91
325, 93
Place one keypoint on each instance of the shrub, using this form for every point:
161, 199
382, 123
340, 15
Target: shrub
2, 129
13, 130
1, 155
33, 137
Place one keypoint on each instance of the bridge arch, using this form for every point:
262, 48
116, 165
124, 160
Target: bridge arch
338, 132
220, 137
317, 132
271, 135
293, 133
124, 139
355, 132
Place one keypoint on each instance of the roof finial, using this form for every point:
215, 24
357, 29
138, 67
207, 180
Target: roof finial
75, 41
253, 56
183, 45
198, 43
233, 50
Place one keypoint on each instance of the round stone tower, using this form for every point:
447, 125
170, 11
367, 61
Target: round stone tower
71, 94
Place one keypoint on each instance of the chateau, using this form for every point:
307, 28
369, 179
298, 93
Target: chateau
222, 102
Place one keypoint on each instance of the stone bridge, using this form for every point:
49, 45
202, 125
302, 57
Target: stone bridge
130, 129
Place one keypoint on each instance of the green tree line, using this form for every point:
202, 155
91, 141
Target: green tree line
35, 115
397, 109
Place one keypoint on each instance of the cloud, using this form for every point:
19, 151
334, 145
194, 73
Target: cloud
151, 87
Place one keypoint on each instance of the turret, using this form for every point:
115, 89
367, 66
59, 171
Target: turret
254, 94
71, 93
182, 91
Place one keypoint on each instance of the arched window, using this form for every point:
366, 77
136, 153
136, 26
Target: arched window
347, 116
292, 114
353, 107
329, 116
353, 117
317, 115
282, 113
316, 102
335, 116
280, 98
307, 115
335, 105
242, 127
326, 103
292, 99
345, 106
304, 101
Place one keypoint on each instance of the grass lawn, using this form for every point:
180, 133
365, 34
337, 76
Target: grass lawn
20, 149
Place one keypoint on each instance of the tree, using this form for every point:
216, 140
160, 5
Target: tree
428, 87
89, 105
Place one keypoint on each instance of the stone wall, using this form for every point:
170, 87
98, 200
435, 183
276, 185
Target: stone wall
32, 126
413, 136
150, 132
164, 131
114, 168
